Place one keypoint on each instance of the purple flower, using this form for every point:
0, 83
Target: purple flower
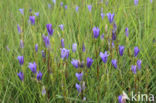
19, 29
32, 19
151, 1
82, 64
79, 76
113, 35
75, 63
46, 41
61, 3
54, 1
21, 11
83, 48
89, 62
127, 32
21, 76
133, 68
102, 15
77, 8
64, 53
74, 47
62, 43
110, 17
21, 44
136, 51
102, 36
20, 59
61, 27
121, 50
114, 63
49, 29
104, 56
78, 87
65, 6
96, 32
136, 2
49, 6
36, 47
114, 27
43, 54
36, 14
39, 75
89, 8
32, 67
120, 99
139, 64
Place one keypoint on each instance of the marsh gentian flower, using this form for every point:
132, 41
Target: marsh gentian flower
54, 1
89, 8
61, 27
136, 2
36, 47
74, 47
77, 8
49, 29
96, 32
61, 3
75, 63
46, 41
64, 53
114, 63
127, 32
102, 15
136, 51
21, 11
39, 75
79, 76
114, 27
82, 64
113, 35
102, 36
78, 87
151, 1
49, 6
43, 54
33, 67
104, 56
19, 29
32, 19
65, 6
21, 44
36, 14
62, 43
21, 76
120, 99
89, 62
133, 68
110, 17
20, 59
121, 50
83, 48
139, 64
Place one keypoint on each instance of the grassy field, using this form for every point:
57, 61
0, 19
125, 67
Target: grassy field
103, 80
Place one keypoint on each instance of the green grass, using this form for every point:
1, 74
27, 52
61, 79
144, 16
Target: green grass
139, 19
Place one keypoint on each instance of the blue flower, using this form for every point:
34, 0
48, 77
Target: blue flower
21, 11
33, 67
75, 63
139, 64
89, 8
39, 75
74, 47
49, 29
121, 50
133, 68
62, 43
79, 76
19, 29
96, 32
127, 32
36, 47
136, 51
64, 53
104, 56
21, 76
110, 17
32, 19
20, 59
78, 87
46, 41
89, 62
114, 63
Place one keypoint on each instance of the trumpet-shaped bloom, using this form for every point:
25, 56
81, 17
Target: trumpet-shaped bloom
19, 29
110, 17
83, 48
96, 32
136, 51
89, 62
113, 35
79, 76
21, 44
64, 53
127, 32
104, 56
46, 41
33, 67
21, 76
75, 63
102, 15
133, 68
78, 87
77, 8
120, 99
36, 47
121, 50
139, 64
62, 43
32, 19
49, 29
39, 75
74, 47
90, 8
114, 63
21, 11
65, 6
37, 14
43, 54
136, 2
61, 27
102, 36
20, 59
